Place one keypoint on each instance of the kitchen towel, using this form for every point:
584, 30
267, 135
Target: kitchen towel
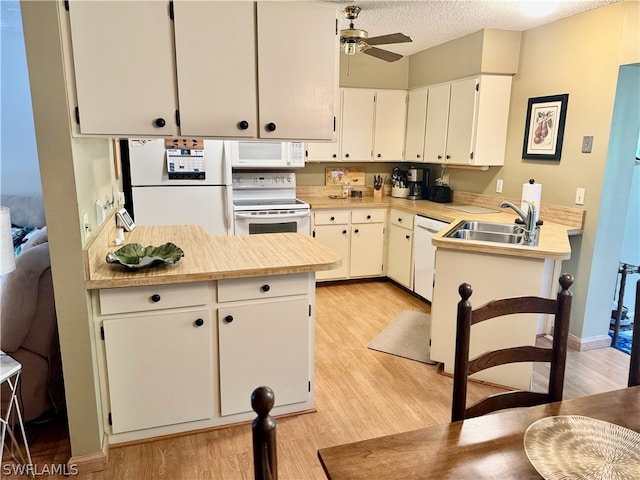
531, 192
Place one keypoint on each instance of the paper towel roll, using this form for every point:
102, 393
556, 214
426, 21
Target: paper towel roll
531, 192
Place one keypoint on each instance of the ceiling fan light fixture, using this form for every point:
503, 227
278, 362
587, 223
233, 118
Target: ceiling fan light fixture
350, 48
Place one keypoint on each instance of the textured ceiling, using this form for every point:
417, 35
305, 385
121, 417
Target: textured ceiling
433, 22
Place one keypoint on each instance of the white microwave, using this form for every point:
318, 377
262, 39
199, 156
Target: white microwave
247, 154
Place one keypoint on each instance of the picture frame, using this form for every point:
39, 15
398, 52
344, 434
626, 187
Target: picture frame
544, 128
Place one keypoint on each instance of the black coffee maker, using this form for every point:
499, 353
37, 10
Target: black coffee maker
425, 183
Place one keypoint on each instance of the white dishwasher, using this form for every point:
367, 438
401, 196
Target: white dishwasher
424, 254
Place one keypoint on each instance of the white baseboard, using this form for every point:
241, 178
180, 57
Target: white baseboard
590, 343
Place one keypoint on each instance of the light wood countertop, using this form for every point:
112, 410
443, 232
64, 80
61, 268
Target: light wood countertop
553, 237
207, 257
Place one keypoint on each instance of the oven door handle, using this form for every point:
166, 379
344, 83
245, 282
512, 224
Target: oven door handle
282, 215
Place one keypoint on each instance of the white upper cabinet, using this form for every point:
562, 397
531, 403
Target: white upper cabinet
358, 108
373, 125
217, 90
416, 120
437, 118
207, 69
466, 121
390, 121
297, 70
124, 67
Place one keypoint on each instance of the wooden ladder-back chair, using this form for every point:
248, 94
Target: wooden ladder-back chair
556, 356
634, 366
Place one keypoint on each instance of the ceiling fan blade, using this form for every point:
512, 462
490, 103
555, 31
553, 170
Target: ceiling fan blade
382, 54
391, 38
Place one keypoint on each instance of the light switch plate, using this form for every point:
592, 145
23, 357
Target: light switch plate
587, 144
580, 196
499, 185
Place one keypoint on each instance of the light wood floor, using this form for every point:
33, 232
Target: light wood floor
360, 393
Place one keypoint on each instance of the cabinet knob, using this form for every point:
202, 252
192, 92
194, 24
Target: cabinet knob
379, 155
356, 231
265, 288
448, 156
418, 155
346, 155
335, 155
243, 125
344, 232
199, 322
159, 122
228, 319
400, 219
332, 218
407, 237
271, 127
439, 157
368, 217
155, 298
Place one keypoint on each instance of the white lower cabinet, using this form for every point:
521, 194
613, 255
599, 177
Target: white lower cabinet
400, 248
358, 235
186, 356
159, 369
263, 344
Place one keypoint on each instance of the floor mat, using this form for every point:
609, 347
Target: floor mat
624, 341
406, 336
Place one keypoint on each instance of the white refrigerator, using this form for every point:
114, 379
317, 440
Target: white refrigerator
181, 186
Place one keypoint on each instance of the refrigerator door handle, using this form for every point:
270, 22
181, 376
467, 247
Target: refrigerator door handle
227, 202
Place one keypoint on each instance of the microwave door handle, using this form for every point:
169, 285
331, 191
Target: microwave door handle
281, 215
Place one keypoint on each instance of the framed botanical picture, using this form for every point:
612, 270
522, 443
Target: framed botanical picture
544, 129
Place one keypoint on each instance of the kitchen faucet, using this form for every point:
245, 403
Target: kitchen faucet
530, 229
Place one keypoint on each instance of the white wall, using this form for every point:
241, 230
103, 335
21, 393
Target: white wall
18, 152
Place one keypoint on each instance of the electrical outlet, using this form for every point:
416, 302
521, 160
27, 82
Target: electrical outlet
580, 196
86, 226
499, 185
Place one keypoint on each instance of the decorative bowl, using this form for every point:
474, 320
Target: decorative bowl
134, 255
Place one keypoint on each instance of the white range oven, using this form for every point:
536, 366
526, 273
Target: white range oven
267, 203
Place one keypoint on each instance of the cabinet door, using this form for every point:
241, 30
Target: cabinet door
416, 120
159, 368
462, 108
263, 343
367, 249
390, 120
327, 151
357, 124
435, 136
124, 67
399, 262
297, 70
336, 237
216, 69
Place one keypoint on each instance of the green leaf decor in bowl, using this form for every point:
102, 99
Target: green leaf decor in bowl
134, 255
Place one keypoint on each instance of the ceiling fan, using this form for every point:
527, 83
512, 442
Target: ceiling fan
354, 40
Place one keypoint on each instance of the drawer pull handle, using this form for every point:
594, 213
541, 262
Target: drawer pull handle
265, 288
155, 298
199, 322
228, 319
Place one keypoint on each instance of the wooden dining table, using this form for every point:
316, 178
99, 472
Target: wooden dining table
490, 446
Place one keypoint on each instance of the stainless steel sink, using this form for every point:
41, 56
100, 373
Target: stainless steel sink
488, 232
498, 237
492, 227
